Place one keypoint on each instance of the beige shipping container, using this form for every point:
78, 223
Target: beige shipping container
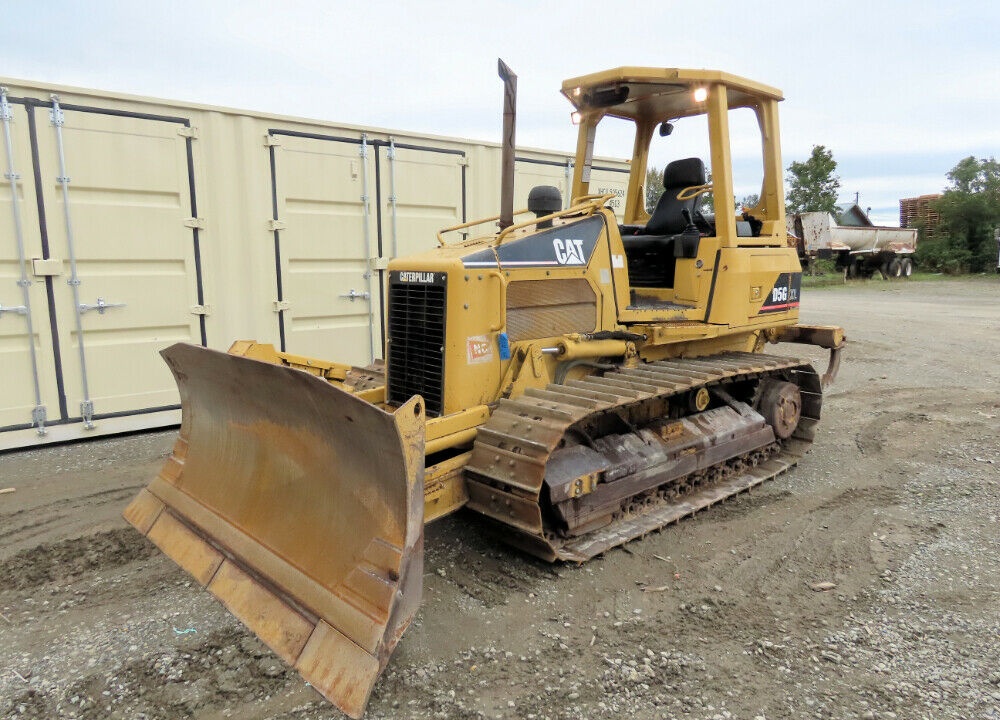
128, 224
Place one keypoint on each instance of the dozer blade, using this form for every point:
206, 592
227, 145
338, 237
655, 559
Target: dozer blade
300, 507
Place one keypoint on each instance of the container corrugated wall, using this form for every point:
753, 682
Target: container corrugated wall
205, 225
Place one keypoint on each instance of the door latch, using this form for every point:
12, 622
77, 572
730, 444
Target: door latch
354, 295
20, 309
100, 306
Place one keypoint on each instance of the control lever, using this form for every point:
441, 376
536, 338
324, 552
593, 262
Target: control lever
691, 227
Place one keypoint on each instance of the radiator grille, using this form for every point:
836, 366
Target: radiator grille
545, 308
416, 327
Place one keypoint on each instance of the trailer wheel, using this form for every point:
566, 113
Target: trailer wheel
907, 267
895, 268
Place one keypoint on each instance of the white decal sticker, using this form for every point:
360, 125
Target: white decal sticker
605, 276
617, 261
569, 252
479, 349
417, 277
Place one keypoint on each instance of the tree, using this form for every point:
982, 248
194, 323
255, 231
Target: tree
813, 184
654, 187
969, 210
707, 206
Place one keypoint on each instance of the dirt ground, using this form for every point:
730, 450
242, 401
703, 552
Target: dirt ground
897, 505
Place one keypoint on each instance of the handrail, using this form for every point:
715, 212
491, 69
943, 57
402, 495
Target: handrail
592, 196
588, 204
480, 221
693, 191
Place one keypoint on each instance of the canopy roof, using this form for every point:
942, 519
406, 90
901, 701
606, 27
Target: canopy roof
658, 93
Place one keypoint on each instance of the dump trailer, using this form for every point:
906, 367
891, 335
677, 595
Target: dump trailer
858, 251
574, 381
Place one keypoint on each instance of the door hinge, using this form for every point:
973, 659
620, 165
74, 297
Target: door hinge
195, 223
5, 110
201, 309
56, 116
271, 141
39, 416
273, 225
87, 413
188, 131
281, 305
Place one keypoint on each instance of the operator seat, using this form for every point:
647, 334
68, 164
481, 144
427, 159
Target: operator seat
651, 250
668, 216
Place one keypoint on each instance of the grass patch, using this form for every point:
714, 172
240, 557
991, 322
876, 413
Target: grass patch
828, 280
837, 279
938, 277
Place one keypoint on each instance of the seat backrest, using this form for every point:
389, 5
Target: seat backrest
667, 217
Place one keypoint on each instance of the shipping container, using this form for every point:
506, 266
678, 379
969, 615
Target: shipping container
129, 223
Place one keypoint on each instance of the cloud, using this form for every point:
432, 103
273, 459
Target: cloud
900, 91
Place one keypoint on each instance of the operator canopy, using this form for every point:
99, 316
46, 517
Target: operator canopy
655, 93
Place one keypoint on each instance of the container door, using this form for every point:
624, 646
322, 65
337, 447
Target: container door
422, 191
323, 241
25, 334
529, 173
608, 180
129, 226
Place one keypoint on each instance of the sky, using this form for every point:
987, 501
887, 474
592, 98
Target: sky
898, 91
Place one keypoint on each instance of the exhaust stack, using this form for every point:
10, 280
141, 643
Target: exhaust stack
507, 166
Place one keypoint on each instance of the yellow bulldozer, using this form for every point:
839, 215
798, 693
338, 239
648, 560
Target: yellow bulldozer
577, 381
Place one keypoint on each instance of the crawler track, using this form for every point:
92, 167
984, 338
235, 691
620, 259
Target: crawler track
507, 472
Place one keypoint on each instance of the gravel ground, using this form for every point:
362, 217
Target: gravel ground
862, 584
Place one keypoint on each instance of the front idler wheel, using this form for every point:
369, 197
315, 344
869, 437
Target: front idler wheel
781, 405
